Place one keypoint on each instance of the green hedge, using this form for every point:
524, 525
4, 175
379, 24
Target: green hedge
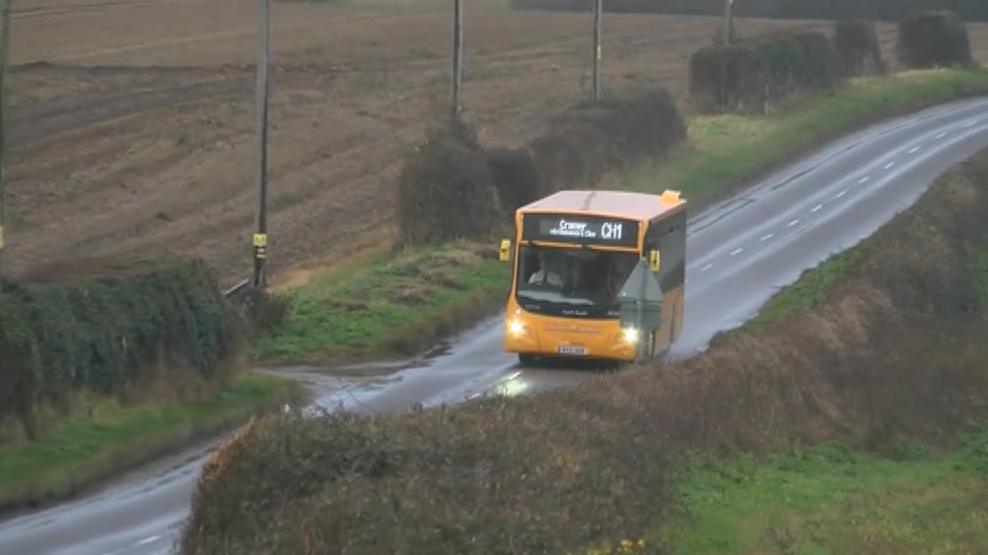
104, 326
748, 75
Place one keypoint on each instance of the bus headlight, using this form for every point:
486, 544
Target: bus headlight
630, 335
516, 328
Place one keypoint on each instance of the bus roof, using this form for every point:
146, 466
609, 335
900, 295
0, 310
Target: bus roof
619, 204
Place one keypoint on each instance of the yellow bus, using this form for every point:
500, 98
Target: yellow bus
573, 252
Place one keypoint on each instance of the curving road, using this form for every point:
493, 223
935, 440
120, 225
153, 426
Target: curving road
741, 251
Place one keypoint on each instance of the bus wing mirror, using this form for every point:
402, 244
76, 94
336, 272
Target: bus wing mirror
504, 253
654, 260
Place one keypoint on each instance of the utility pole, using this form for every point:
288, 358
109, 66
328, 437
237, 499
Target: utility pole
261, 169
597, 9
728, 22
4, 54
456, 86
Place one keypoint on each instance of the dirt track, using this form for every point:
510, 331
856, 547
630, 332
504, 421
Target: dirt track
136, 133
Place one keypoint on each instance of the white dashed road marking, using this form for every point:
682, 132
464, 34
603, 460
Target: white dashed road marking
914, 150
941, 135
767, 237
737, 252
792, 223
864, 179
707, 267
841, 194
971, 123
816, 208
889, 165
150, 539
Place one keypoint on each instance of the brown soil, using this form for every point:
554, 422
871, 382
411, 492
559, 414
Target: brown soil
131, 120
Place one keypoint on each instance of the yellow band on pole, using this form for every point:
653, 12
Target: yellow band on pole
1, 236
260, 239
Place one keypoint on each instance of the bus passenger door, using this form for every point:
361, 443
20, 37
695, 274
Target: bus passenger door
668, 236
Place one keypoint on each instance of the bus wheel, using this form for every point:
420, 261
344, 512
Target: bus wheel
526, 359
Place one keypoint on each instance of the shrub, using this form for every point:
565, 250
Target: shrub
445, 190
103, 326
858, 48
514, 175
558, 162
748, 75
934, 40
583, 143
263, 311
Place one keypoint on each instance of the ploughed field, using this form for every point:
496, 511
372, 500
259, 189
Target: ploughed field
131, 121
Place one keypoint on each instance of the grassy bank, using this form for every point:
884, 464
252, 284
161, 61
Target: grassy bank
829, 499
390, 302
810, 290
726, 150
81, 449
400, 303
981, 275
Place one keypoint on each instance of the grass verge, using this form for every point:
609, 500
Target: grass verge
388, 303
981, 275
828, 500
725, 150
811, 289
80, 450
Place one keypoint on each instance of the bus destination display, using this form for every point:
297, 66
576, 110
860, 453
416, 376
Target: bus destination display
581, 230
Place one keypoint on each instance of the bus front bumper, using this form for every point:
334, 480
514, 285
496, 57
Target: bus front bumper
558, 337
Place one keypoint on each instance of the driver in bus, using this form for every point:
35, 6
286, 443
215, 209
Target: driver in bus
544, 275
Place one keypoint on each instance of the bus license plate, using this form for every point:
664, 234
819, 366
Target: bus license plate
577, 350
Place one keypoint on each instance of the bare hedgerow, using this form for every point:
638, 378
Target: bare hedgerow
584, 142
750, 75
936, 39
514, 175
445, 190
877, 10
858, 47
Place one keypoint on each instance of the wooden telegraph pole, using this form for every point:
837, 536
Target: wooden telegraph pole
260, 238
4, 54
456, 81
597, 9
728, 21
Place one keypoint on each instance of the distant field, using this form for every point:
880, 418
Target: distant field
137, 136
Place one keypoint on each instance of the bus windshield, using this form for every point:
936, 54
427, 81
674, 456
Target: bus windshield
573, 277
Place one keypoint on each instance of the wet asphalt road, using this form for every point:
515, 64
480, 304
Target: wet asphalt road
740, 252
